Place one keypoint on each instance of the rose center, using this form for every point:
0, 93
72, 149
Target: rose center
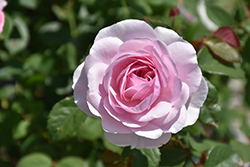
145, 73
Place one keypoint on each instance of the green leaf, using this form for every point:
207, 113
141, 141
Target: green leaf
209, 64
8, 27
200, 146
70, 162
31, 4
90, 129
171, 157
222, 156
139, 160
21, 130
35, 160
15, 45
242, 149
210, 111
153, 156
246, 25
219, 16
64, 118
221, 49
240, 13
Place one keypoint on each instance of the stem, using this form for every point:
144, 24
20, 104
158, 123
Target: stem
179, 142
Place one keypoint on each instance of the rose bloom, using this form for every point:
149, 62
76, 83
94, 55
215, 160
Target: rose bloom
143, 83
3, 3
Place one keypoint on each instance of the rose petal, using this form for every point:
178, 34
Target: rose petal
124, 118
2, 20
3, 3
111, 125
150, 131
103, 51
96, 90
136, 141
196, 102
188, 70
126, 30
159, 110
174, 115
80, 86
168, 36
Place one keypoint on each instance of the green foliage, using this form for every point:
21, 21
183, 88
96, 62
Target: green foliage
222, 155
64, 118
43, 42
36, 160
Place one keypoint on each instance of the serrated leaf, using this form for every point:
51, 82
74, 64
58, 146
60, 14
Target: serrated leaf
35, 160
64, 118
221, 50
222, 156
70, 162
209, 64
242, 149
153, 156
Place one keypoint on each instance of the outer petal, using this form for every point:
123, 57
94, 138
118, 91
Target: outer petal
136, 141
2, 20
103, 51
95, 90
196, 102
185, 58
150, 131
80, 86
126, 30
168, 36
3, 3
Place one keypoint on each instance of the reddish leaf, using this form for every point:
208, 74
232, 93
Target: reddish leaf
229, 36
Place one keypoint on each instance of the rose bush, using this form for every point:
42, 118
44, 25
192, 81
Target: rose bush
143, 83
3, 3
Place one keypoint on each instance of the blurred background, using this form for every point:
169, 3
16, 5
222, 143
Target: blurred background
45, 40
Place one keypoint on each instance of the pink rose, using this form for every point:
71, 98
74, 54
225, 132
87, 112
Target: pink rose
143, 83
3, 3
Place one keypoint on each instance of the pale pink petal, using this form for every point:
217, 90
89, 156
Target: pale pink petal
150, 131
124, 118
102, 51
136, 141
179, 123
126, 30
196, 102
2, 20
160, 109
184, 55
80, 86
3, 3
111, 125
122, 139
167, 36
167, 121
153, 143
96, 90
